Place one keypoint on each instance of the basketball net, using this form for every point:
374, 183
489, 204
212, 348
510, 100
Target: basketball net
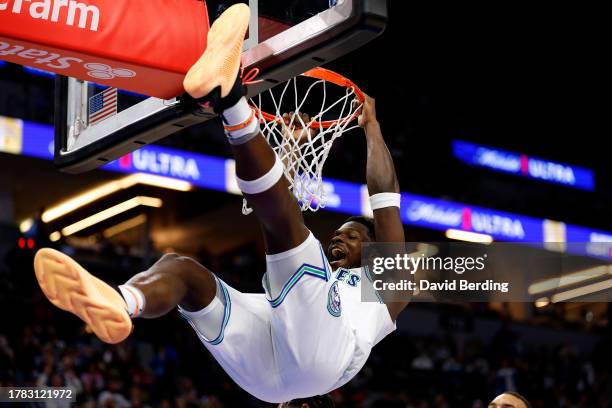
302, 142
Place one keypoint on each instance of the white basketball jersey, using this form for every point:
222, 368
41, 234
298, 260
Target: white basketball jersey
371, 321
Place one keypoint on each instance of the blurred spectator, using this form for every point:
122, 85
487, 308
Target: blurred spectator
112, 396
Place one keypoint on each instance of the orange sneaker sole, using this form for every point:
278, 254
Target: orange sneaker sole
220, 62
70, 287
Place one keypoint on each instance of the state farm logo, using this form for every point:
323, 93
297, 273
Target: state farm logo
103, 71
57, 63
57, 12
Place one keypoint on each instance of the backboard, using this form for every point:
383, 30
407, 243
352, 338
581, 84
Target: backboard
285, 39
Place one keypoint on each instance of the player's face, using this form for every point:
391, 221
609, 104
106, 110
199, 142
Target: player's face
506, 401
345, 248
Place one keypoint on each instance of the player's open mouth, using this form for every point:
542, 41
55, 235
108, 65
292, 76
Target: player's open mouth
337, 255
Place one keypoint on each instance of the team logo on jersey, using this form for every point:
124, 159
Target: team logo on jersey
334, 307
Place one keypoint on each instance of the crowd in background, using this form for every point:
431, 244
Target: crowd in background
163, 364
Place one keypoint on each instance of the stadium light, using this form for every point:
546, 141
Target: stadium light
582, 291
111, 212
569, 279
468, 236
161, 182
55, 236
26, 225
125, 225
112, 187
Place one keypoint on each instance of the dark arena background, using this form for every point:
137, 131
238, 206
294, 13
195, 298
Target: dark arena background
443, 86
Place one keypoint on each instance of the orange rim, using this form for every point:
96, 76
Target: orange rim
331, 77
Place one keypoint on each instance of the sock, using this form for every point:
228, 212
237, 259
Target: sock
241, 123
134, 300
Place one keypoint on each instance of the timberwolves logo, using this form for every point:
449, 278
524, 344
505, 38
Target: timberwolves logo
333, 301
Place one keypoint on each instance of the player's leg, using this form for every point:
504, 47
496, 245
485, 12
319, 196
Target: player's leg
260, 173
235, 327
173, 281
276, 208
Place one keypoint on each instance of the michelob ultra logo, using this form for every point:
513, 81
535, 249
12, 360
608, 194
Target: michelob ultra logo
434, 213
523, 165
67, 12
162, 163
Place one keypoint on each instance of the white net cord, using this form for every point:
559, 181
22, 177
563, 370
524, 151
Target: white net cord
301, 142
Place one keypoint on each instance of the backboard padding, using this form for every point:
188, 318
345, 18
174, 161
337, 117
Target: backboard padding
317, 39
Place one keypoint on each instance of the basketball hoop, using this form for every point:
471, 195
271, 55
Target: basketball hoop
302, 131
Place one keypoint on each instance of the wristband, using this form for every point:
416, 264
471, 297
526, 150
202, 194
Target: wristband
384, 200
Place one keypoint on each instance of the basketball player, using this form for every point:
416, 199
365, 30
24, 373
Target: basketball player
323, 401
509, 399
309, 333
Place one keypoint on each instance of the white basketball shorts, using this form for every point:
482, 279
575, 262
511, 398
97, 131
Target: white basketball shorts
307, 335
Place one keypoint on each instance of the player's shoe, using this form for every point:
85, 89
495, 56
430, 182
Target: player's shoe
215, 78
70, 287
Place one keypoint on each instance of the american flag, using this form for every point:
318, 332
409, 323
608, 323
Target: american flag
102, 106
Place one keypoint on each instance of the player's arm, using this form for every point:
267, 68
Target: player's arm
383, 186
